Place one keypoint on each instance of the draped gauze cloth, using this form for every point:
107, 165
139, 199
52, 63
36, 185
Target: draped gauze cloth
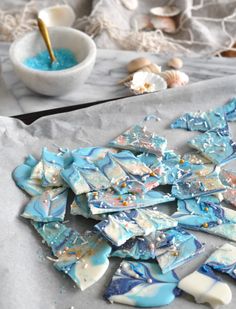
205, 27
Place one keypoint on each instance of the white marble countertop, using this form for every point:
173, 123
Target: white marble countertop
110, 67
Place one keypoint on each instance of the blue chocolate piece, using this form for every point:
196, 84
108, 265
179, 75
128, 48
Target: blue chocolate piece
92, 154
201, 121
142, 284
224, 260
21, 176
50, 206
138, 139
204, 181
85, 264
230, 110
118, 228
216, 145
207, 215
58, 236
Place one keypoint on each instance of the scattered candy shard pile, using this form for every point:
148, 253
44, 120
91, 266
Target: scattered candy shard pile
119, 187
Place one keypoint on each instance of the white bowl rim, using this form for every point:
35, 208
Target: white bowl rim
89, 58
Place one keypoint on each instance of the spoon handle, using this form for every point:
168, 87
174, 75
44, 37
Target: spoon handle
44, 32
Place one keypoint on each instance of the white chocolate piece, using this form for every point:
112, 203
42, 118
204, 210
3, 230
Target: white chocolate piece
206, 289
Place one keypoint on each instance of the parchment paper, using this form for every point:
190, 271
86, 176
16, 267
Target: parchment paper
27, 279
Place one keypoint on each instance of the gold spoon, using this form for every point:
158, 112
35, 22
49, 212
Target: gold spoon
44, 32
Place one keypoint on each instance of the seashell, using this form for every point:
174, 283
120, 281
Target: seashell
166, 24
137, 64
130, 4
141, 22
145, 82
58, 15
175, 63
169, 11
175, 78
151, 68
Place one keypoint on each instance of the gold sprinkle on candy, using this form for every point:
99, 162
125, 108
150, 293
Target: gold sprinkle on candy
205, 225
123, 185
206, 208
125, 203
181, 161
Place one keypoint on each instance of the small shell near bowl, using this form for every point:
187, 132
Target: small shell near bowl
175, 63
166, 24
138, 63
130, 4
168, 11
175, 78
58, 15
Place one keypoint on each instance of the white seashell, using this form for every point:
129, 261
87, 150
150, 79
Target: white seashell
175, 63
141, 22
58, 15
130, 4
167, 24
137, 64
145, 82
165, 11
175, 78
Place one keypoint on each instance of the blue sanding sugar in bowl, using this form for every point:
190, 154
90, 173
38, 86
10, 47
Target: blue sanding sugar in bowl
65, 60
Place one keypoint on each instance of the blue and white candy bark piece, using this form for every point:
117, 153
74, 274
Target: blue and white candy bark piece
230, 110
201, 121
49, 206
21, 176
203, 180
118, 228
206, 287
58, 236
228, 178
171, 248
49, 167
138, 139
207, 215
91, 154
224, 260
105, 201
216, 145
92, 175
142, 284
85, 264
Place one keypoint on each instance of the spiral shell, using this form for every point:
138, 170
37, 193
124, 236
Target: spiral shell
175, 63
166, 24
165, 11
175, 78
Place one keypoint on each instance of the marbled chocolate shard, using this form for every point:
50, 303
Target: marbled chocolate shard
195, 158
201, 121
118, 228
138, 139
224, 260
171, 248
104, 201
131, 164
50, 206
216, 145
206, 287
230, 110
228, 178
49, 167
21, 176
58, 236
72, 176
92, 154
142, 285
111, 169
202, 181
207, 215
85, 264
92, 175
80, 207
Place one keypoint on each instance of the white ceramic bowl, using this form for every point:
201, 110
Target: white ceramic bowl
54, 83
